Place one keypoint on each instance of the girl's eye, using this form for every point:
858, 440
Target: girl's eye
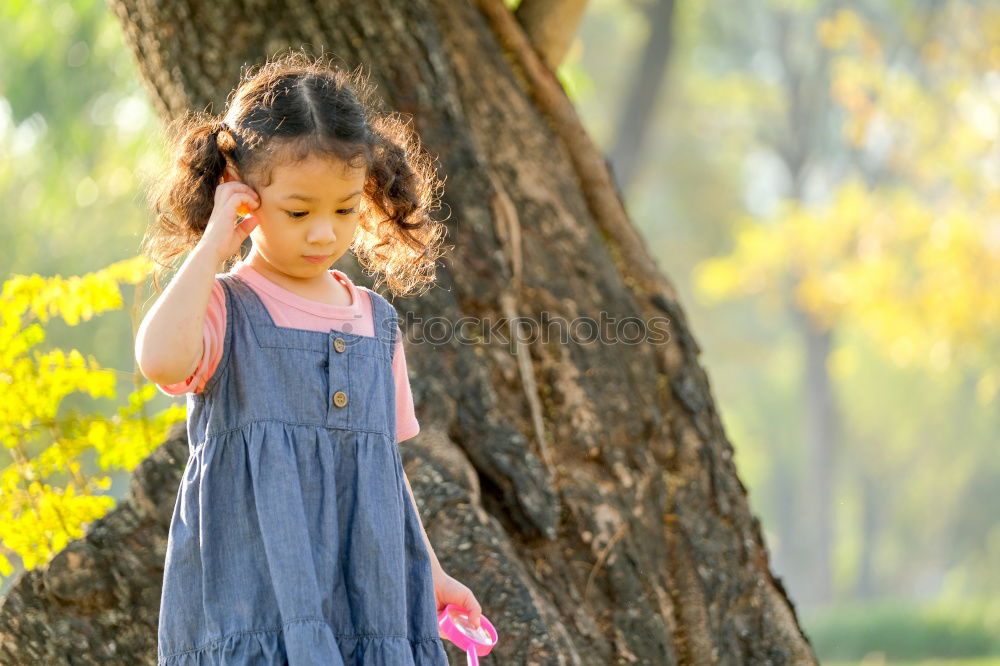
296, 214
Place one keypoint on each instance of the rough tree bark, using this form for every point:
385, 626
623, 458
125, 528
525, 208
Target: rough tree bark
585, 492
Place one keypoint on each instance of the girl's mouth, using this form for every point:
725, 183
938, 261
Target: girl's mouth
317, 258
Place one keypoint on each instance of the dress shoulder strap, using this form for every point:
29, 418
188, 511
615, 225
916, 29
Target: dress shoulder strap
243, 294
384, 318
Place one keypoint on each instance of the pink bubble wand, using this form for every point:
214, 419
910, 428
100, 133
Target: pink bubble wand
453, 620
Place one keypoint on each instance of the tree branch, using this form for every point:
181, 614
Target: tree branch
550, 25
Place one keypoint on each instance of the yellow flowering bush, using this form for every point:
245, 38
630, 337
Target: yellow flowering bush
42, 437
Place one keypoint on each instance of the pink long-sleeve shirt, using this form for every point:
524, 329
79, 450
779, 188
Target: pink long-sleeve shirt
293, 311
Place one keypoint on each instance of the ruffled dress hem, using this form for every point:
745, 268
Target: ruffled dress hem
313, 643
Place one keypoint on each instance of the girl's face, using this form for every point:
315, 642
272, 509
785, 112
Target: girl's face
307, 217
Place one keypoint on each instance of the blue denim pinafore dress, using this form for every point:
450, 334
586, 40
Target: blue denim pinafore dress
293, 539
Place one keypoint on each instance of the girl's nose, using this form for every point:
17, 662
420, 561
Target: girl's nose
322, 232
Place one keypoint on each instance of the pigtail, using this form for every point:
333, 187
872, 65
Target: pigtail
397, 239
183, 199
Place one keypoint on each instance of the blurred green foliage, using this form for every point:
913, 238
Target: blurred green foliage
898, 630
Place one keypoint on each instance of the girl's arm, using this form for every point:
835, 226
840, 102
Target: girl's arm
169, 342
447, 590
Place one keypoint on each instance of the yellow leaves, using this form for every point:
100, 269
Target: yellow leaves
718, 278
19, 341
799, 242
76, 298
6, 568
73, 298
97, 433
38, 521
755, 266
129, 437
939, 124
129, 271
960, 274
846, 28
64, 372
35, 387
763, 244
919, 282
46, 497
837, 31
854, 86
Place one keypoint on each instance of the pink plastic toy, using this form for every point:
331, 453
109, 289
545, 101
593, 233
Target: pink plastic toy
454, 623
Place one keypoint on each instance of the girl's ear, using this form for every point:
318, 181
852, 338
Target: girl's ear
229, 174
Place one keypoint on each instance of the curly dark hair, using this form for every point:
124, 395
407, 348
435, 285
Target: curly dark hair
292, 106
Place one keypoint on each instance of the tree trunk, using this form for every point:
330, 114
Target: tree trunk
871, 526
820, 436
585, 492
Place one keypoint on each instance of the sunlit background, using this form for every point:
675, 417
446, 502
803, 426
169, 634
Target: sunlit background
821, 180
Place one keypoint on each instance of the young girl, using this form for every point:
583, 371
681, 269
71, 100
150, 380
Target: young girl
295, 538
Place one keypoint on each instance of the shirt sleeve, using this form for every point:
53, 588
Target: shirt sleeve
213, 338
406, 419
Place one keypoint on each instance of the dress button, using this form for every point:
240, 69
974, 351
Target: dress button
340, 398
339, 345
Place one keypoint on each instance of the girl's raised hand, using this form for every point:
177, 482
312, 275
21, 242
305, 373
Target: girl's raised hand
223, 235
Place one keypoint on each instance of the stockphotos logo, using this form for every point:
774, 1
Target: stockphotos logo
605, 330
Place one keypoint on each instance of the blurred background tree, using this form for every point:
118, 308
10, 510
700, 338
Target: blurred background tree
819, 178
